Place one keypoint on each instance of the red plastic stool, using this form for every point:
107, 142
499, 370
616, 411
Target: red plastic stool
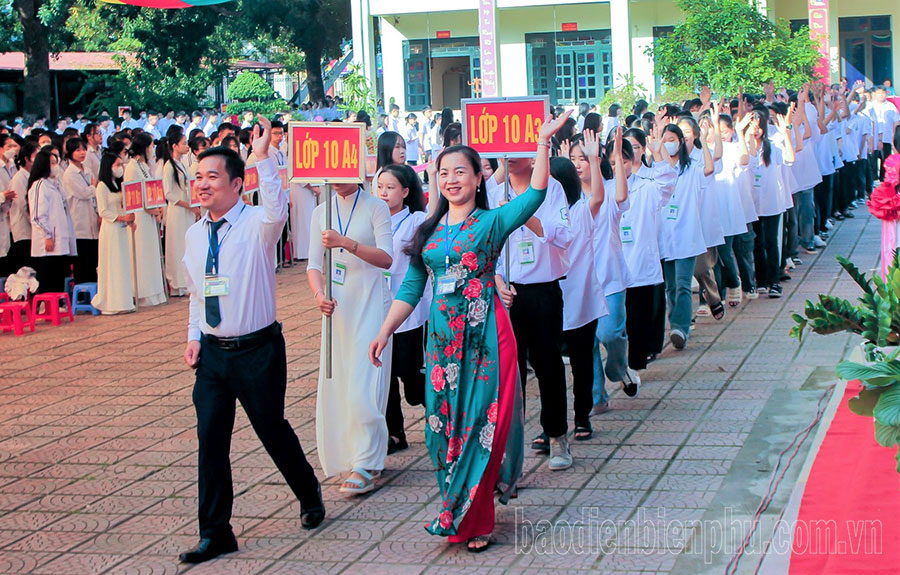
51, 311
11, 317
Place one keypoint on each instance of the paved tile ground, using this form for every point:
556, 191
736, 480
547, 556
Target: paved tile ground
98, 450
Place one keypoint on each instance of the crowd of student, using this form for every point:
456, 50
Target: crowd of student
62, 211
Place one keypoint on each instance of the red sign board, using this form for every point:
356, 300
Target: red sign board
440, 34
251, 180
570, 27
819, 33
332, 153
154, 194
133, 196
504, 127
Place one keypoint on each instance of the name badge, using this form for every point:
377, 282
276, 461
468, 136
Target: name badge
757, 180
672, 212
627, 235
339, 272
526, 252
215, 286
446, 284
387, 279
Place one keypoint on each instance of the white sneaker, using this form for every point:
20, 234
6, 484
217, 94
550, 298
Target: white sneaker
790, 264
703, 311
631, 382
829, 224
695, 287
560, 456
819, 242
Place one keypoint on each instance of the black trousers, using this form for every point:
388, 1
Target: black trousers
52, 272
537, 321
822, 198
645, 322
86, 261
848, 182
862, 189
580, 345
766, 251
407, 361
257, 377
886, 149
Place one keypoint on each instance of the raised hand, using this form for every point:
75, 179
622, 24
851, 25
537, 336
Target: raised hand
262, 140
617, 151
552, 126
705, 95
591, 144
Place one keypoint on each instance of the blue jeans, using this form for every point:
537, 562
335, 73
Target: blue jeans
611, 333
678, 274
806, 217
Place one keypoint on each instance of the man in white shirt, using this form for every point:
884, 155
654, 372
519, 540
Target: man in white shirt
152, 125
107, 129
538, 260
247, 119
888, 118
94, 140
229, 259
411, 135
196, 123
212, 123
128, 122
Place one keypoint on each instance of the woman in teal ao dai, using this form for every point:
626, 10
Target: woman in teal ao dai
474, 416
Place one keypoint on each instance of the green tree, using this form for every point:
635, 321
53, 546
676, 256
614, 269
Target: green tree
729, 44
317, 27
250, 86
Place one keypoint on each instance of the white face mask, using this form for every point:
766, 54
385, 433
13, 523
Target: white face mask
55, 171
696, 115
118, 172
9, 154
671, 147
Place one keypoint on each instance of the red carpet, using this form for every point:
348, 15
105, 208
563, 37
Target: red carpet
854, 487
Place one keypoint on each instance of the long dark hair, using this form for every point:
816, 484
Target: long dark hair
606, 169
174, 137
26, 150
695, 127
415, 199
592, 122
563, 170
417, 245
641, 137
41, 167
453, 132
763, 119
683, 158
106, 176
140, 143
385, 148
446, 120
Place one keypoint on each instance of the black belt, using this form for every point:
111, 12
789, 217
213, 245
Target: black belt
244, 341
536, 284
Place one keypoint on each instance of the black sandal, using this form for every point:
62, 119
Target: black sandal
541, 443
486, 539
395, 445
583, 431
717, 311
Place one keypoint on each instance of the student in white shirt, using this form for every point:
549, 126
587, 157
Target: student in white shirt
180, 216
425, 133
229, 260
9, 149
682, 240
391, 149
78, 184
411, 134
888, 117
538, 260
649, 190
94, 139
196, 123
19, 217
401, 189
583, 298
765, 167
806, 170
51, 226
824, 192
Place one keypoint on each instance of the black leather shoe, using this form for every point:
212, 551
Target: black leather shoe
312, 517
209, 549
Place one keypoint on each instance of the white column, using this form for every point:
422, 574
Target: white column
621, 39
363, 39
392, 54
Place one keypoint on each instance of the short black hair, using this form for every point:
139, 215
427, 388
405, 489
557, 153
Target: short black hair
234, 165
276, 124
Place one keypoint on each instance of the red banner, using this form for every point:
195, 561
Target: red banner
133, 196
154, 194
504, 127
332, 153
251, 180
818, 32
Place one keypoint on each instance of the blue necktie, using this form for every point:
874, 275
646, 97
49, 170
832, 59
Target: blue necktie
213, 315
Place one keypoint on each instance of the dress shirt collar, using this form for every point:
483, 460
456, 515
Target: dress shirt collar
398, 217
231, 216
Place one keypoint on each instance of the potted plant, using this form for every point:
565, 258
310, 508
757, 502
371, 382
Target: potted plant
877, 319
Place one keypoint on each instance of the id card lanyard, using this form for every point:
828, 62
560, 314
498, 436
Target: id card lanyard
453, 239
215, 253
341, 229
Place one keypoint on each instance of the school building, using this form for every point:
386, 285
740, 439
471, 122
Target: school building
574, 50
